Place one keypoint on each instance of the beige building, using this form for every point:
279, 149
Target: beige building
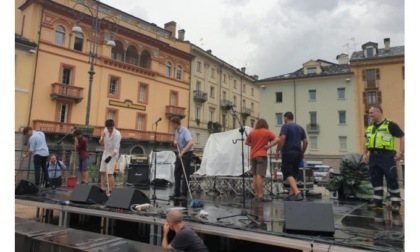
141, 72
216, 86
379, 80
321, 96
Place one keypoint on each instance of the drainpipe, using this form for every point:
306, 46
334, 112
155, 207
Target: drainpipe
35, 69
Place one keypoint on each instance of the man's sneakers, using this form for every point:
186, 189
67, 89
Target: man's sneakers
294, 197
263, 199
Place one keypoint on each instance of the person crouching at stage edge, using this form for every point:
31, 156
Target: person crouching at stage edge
381, 156
184, 143
259, 139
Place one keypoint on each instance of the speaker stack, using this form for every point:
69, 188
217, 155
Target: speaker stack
138, 174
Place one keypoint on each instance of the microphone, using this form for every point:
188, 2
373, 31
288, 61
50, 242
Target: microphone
158, 120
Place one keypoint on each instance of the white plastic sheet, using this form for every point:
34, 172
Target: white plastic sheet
165, 162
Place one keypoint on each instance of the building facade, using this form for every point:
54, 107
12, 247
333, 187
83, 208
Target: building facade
222, 97
379, 80
321, 97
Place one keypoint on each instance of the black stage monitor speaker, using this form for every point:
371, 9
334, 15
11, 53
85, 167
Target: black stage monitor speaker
126, 197
309, 218
26, 187
138, 174
88, 194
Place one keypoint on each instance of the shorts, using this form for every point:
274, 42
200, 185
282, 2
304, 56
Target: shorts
109, 167
259, 166
84, 165
290, 164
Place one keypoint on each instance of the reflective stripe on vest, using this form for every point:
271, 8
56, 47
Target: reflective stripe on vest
380, 138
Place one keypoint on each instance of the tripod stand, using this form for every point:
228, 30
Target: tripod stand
244, 211
154, 198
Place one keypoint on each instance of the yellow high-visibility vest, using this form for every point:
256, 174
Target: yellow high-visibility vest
380, 138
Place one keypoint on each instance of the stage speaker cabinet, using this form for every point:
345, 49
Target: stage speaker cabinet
88, 194
138, 174
309, 218
26, 187
124, 198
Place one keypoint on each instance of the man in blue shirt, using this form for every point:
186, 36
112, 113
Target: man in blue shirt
55, 169
38, 147
184, 143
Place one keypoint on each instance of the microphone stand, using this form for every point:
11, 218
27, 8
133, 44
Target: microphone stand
154, 198
244, 211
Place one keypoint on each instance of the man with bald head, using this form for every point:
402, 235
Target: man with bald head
185, 239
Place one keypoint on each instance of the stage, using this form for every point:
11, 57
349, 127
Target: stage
355, 226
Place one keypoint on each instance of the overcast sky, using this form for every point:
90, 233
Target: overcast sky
274, 37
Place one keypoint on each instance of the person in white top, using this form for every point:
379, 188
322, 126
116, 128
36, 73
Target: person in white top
111, 139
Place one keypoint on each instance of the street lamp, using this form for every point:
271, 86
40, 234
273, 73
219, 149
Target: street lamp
95, 40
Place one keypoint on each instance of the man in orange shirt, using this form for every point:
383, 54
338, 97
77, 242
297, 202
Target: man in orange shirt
259, 139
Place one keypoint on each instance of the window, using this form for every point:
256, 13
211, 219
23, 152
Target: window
313, 142
224, 95
66, 75
78, 42
224, 120
371, 76
312, 117
369, 52
252, 122
311, 70
312, 95
145, 59
252, 91
234, 84
224, 78
234, 101
341, 92
342, 117
198, 66
343, 143
212, 92
197, 138
244, 88
178, 72
211, 115
213, 73
113, 87
63, 112
168, 69
198, 86
252, 108
279, 97
197, 112
117, 51
60, 35
279, 118
243, 104
173, 98
141, 121
372, 98
143, 93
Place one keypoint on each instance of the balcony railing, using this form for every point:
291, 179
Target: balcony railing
67, 128
214, 127
312, 128
246, 111
200, 96
67, 92
174, 111
224, 103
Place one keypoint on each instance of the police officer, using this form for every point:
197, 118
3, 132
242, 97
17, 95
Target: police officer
381, 156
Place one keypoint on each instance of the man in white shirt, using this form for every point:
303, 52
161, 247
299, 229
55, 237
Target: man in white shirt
111, 139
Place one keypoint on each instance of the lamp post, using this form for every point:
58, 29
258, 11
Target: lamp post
95, 40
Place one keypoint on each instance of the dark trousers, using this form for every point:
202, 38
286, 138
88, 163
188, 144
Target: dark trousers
179, 173
40, 162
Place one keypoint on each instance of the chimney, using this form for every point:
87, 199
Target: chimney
387, 42
243, 69
256, 77
181, 34
171, 27
208, 51
342, 59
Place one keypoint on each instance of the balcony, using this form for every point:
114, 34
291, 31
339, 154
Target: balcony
67, 128
200, 96
246, 111
63, 91
312, 128
214, 127
174, 111
225, 104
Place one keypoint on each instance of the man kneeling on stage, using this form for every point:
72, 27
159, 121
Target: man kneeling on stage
185, 239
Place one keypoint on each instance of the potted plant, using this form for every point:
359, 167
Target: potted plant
197, 120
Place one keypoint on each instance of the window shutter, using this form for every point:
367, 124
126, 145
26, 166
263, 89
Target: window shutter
379, 97
365, 98
378, 75
364, 74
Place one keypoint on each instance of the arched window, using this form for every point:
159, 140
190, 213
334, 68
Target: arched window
168, 69
60, 35
178, 72
145, 59
117, 51
78, 42
131, 56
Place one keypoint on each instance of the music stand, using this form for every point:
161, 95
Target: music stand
154, 198
244, 211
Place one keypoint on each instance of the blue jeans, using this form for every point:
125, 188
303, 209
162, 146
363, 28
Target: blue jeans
40, 162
